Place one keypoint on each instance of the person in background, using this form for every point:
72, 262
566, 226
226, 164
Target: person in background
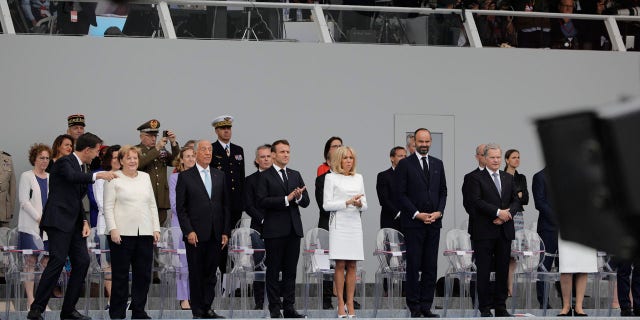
110, 163
32, 194
62, 146
35, 10
75, 125
331, 145
185, 160
133, 228
512, 159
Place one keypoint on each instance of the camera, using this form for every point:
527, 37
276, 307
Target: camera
165, 133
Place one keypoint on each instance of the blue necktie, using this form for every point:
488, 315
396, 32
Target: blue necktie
496, 180
207, 181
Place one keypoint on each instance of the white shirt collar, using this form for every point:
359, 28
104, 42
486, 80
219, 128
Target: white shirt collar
78, 158
480, 168
492, 172
420, 156
200, 168
278, 168
224, 145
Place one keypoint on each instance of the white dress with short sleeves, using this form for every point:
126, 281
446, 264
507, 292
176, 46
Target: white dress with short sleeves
345, 225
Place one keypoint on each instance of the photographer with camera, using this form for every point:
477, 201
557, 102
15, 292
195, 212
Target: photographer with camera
154, 161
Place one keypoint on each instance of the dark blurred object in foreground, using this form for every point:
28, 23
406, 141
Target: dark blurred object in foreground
594, 176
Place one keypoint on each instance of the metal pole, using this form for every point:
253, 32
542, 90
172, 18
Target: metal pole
321, 23
5, 18
165, 20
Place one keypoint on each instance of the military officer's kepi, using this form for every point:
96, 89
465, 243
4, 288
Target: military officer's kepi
222, 121
151, 127
75, 120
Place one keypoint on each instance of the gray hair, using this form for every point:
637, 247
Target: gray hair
491, 146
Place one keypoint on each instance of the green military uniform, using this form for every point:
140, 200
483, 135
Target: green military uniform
155, 163
8, 188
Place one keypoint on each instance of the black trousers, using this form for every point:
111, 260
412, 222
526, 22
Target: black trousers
628, 280
202, 262
61, 245
282, 256
550, 239
487, 252
422, 255
135, 252
80, 27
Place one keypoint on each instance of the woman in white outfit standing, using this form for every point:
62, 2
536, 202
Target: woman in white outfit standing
577, 259
344, 197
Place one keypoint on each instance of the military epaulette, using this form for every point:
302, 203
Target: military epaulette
3, 152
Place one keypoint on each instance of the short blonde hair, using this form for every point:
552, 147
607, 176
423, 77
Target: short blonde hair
124, 151
336, 160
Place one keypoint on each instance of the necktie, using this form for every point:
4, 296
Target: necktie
207, 181
496, 180
226, 149
425, 167
284, 179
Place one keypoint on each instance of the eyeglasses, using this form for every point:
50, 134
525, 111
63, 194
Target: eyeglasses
43, 158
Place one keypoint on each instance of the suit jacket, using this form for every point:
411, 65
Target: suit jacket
233, 168
88, 8
281, 220
546, 219
208, 217
323, 219
251, 202
68, 185
415, 194
466, 198
486, 201
384, 188
156, 167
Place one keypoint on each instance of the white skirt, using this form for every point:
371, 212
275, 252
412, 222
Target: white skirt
576, 258
345, 235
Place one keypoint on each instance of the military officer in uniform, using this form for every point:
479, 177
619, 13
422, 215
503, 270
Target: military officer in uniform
229, 158
154, 161
8, 189
75, 126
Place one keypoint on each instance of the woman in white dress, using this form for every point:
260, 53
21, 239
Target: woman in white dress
579, 260
344, 197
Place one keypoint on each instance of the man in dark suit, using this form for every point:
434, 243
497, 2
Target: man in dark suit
280, 193
468, 207
229, 158
66, 225
422, 195
262, 162
493, 196
547, 229
390, 214
202, 205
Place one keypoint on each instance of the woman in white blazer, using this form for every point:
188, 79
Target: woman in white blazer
32, 193
131, 216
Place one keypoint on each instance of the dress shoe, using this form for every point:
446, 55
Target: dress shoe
258, 306
73, 315
140, 315
327, 305
211, 314
275, 314
503, 313
292, 313
35, 314
486, 313
356, 305
429, 314
568, 314
577, 314
636, 312
416, 314
626, 312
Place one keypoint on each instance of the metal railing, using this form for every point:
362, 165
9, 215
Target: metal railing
468, 16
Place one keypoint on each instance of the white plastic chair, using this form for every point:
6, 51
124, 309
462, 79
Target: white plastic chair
390, 251
460, 254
